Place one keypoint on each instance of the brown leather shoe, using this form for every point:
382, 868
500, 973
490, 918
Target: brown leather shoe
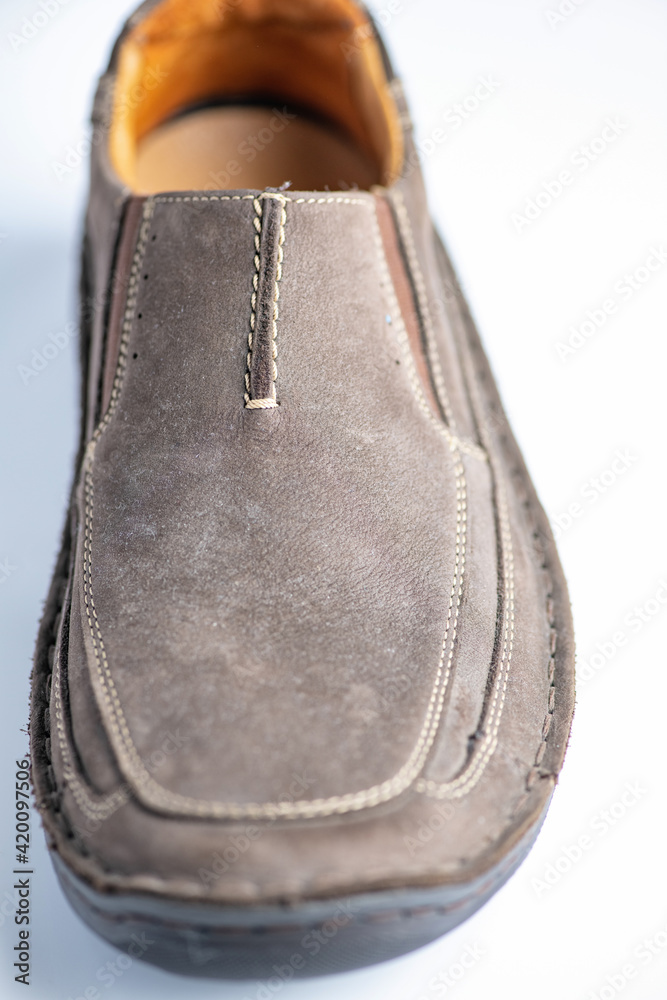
304, 681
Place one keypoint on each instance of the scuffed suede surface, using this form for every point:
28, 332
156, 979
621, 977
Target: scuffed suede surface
250, 570
329, 621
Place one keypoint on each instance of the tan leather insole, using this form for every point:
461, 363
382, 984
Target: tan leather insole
228, 147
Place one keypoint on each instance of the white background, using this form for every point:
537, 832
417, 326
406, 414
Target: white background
555, 85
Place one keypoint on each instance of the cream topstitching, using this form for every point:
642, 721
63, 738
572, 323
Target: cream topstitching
121, 737
257, 223
475, 767
268, 402
456, 443
96, 808
473, 770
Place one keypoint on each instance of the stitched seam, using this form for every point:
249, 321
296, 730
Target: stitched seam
405, 229
338, 804
92, 808
95, 807
265, 402
442, 679
456, 443
264, 194
257, 223
469, 447
471, 774
304, 808
535, 771
286, 888
551, 696
176, 885
475, 767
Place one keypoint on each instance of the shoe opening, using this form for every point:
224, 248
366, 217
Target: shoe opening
230, 94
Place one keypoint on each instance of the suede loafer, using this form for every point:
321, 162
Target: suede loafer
304, 680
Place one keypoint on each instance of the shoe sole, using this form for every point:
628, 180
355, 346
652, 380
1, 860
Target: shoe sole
278, 943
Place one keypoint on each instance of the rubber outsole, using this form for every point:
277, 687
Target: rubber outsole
283, 942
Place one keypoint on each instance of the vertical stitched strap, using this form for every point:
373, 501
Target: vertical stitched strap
269, 222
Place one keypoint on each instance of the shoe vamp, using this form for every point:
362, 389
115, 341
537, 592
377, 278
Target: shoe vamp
266, 582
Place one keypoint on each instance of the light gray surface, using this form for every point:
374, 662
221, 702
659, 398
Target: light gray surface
552, 87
